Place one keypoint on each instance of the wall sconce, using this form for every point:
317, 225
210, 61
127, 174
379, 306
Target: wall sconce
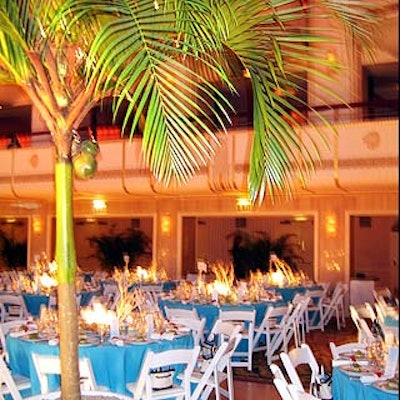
243, 204
36, 224
300, 218
165, 224
330, 225
99, 206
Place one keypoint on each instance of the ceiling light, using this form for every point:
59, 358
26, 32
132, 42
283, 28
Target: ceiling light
300, 218
99, 205
243, 204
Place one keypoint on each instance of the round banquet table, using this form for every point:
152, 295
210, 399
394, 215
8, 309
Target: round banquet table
345, 387
211, 311
113, 366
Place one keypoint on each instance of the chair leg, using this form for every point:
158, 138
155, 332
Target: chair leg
230, 385
217, 388
337, 319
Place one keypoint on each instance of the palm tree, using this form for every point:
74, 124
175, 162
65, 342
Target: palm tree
172, 61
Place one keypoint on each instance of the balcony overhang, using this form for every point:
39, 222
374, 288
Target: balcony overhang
363, 157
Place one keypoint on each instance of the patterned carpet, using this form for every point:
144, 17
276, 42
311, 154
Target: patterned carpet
319, 343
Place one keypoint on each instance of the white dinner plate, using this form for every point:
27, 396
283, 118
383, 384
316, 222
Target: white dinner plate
351, 370
358, 355
389, 386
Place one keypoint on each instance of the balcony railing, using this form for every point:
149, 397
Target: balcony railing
363, 111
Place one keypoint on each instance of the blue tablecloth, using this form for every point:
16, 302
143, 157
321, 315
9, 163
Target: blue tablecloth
211, 311
288, 293
344, 388
113, 366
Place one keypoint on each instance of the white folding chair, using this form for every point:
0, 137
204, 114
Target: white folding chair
20, 381
174, 313
381, 293
46, 365
195, 325
276, 371
110, 295
364, 332
282, 388
218, 371
152, 294
221, 331
291, 327
380, 314
315, 309
302, 320
175, 360
288, 391
242, 357
8, 385
285, 389
297, 356
269, 335
370, 311
14, 307
332, 307
338, 350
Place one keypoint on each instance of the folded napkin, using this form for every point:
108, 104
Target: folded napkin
16, 334
155, 336
117, 341
369, 379
341, 361
168, 336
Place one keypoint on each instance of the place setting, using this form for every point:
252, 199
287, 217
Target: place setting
377, 366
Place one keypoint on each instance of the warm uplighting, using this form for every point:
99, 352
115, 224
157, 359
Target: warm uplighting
36, 224
47, 282
97, 314
277, 278
300, 218
223, 284
330, 225
99, 205
43, 276
220, 287
142, 273
243, 204
165, 224
281, 274
225, 289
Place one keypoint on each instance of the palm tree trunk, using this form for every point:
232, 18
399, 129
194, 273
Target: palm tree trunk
66, 267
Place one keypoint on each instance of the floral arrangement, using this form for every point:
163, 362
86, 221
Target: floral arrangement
127, 300
152, 274
281, 274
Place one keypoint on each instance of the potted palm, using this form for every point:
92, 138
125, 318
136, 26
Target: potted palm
13, 252
111, 248
251, 251
172, 62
